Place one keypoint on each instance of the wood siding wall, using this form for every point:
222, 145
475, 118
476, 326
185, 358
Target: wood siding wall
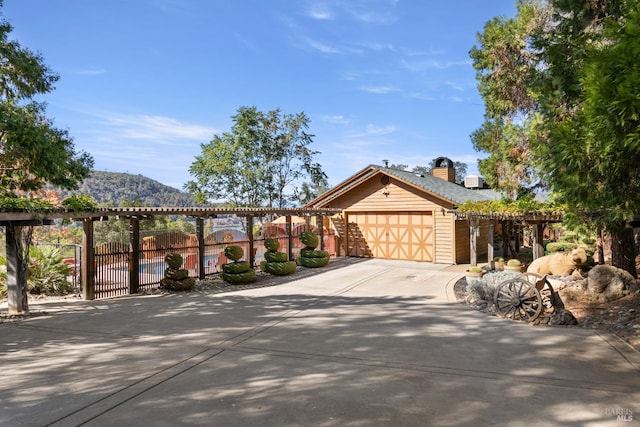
463, 248
401, 197
444, 238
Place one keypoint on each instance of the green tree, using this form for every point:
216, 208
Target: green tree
32, 151
559, 92
506, 66
592, 117
262, 161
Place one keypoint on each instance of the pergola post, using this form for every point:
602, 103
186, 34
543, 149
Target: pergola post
538, 240
473, 241
200, 239
490, 248
289, 236
134, 255
320, 228
251, 258
16, 271
88, 267
345, 237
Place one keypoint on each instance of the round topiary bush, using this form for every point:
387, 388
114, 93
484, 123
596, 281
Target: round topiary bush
173, 260
278, 268
312, 262
272, 245
234, 253
236, 267
309, 239
276, 257
239, 278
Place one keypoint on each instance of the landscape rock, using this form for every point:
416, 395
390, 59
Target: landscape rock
607, 283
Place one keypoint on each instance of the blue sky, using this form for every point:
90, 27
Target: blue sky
144, 82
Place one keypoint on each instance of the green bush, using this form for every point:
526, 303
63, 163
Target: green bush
312, 253
561, 246
239, 278
276, 256
236, 267
309, 239
278, 268
234, 253
47, 273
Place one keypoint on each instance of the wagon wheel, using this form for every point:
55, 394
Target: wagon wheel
518, 299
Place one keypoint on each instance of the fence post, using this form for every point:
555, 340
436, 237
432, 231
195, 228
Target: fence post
88, 267
134, 255
200, 239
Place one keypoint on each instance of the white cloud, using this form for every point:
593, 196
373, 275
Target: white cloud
157, 128
379, 90
372, 130
337, 119
432, 64
90, 71
319, 11
322, 47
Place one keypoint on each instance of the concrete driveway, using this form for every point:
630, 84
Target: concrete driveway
372, 343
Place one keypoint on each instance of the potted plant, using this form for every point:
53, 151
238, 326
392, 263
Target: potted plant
514, 265
498, 263
475, 272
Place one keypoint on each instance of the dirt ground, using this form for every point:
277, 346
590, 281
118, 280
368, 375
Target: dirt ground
620, 317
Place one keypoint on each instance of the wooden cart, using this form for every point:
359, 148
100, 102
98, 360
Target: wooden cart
519, 298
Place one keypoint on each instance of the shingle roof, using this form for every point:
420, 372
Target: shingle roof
447, 190
450, 191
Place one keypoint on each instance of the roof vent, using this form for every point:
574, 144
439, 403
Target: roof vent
385, 163
473, 181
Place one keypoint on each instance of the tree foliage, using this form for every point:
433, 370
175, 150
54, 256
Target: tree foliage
506, 66
32, 151
573, 119
262, 161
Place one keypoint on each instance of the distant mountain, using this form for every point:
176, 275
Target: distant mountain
115, 188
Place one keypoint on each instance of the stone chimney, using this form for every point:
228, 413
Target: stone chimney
443, 169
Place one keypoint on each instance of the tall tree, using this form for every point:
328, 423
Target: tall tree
262, 161
506, 66
559, 93
32, 151
591, 112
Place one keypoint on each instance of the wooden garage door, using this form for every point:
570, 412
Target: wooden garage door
392, 235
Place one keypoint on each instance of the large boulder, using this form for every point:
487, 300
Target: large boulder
607, 283
560, 263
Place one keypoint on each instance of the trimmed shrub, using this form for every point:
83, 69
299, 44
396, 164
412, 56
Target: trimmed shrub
234, 253
278, 268
236, 267
276, 257
239, 278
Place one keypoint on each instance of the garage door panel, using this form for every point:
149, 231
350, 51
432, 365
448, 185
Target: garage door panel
394, 235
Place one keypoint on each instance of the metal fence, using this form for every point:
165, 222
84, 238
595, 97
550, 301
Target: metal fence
113, 264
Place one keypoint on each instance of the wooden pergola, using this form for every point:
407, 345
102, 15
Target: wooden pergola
16, 220
536, 220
